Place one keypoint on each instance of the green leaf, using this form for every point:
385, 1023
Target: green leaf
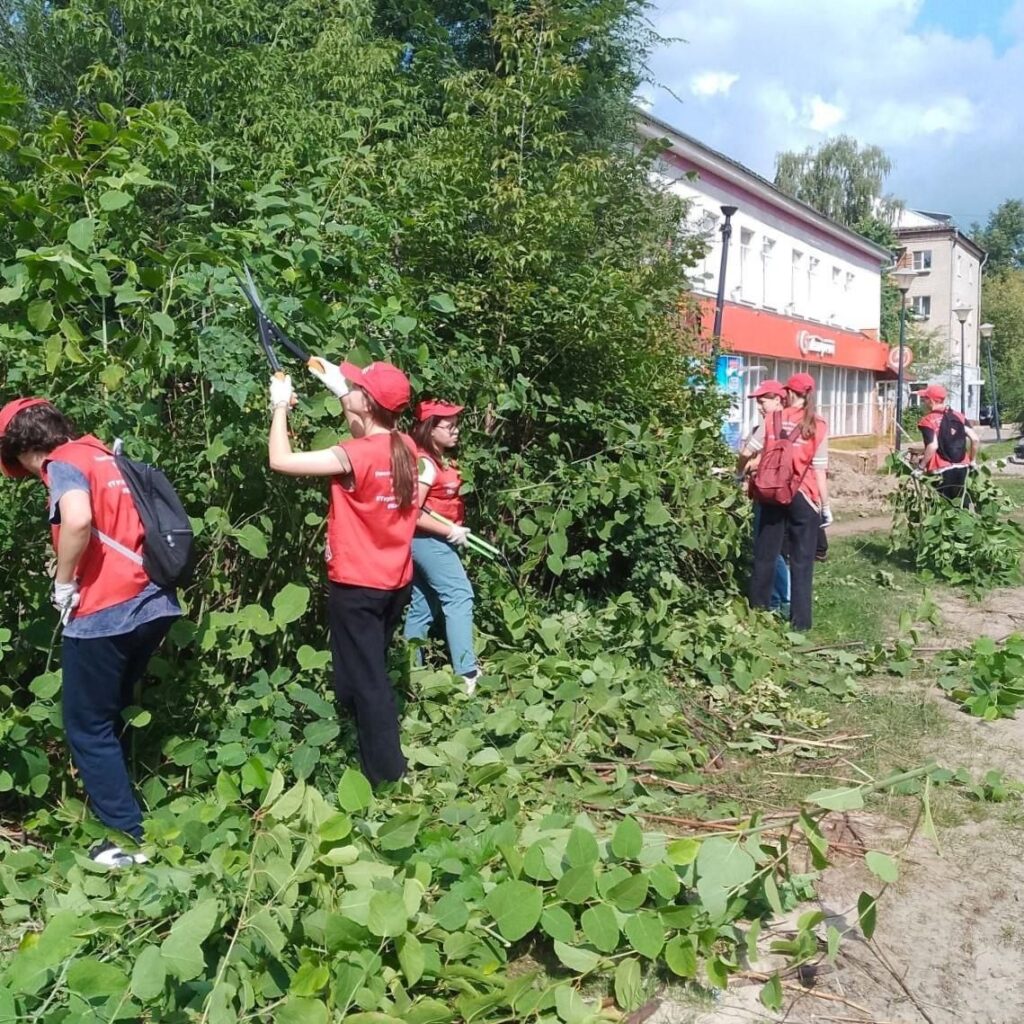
114, 200
882, 865
771, 993
354, 792
182, 950
298, 1010
148, 974
581, 849
683, 851
40, 313
646, 934
655, 514
290, 604
165, 323
723, 867
558, 923
404, 324
336, 827
80, 234
628, 840
451, 912
442, 302
867, 914
253, 540
399, 832
388, 917
95, 979
577, 885
681, 956
577, 959
411, 957
630, 893
516, 908
845, 799
309, 979
601, 927
629, 988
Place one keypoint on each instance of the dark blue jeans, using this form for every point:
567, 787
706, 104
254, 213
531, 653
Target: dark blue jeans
99, 676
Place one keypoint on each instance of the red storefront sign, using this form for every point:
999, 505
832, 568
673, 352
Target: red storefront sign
763, 333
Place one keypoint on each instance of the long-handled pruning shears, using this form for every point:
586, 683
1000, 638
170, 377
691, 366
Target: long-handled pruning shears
481, 547
270, 332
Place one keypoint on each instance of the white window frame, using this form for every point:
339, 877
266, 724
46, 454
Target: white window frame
921, 305
922, 259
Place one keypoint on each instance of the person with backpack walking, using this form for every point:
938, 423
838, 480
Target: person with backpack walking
441, 588
769, 396
115, 616
950, 444
372, 515
790, 483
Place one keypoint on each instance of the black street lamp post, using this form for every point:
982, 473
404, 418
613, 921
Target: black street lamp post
726, 230
986, 332
902, 278
962, 313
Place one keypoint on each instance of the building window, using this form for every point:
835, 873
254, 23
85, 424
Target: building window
922, 259
970, 271
812, 289
767, 252
921, 305
746, 284
794, 277
848, 283
959, 265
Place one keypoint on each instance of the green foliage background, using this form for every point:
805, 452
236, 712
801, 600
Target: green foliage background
453, 187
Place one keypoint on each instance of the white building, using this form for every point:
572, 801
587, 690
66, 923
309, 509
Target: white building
802, 292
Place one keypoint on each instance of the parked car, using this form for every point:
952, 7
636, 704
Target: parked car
986, 415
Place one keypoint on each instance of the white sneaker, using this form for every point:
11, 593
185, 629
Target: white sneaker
110, 855
471, 678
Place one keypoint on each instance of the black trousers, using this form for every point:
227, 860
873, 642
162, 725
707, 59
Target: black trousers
951, 483
798, 524
98, 677
363, 620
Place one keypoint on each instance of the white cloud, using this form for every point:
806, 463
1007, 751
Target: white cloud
713, 83
939, 105
824, 115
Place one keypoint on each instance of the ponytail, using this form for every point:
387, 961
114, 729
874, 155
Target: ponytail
403, 471
404, 478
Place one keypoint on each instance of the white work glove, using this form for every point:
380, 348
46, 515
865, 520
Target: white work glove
826, 515
281, 392
329, 375
458, 536
65, 599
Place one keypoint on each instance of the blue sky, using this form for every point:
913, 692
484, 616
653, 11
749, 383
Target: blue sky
936, 83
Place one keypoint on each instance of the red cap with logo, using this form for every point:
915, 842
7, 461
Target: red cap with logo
7, 413
768, 387
934, 393
800, 384
384, 383
431, 407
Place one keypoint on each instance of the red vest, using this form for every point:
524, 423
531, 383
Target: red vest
105, 577
443, 496
369, 538
804, 448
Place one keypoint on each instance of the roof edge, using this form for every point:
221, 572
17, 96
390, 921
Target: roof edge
664, 130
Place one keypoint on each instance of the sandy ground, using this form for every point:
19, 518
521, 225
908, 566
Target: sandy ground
949, 946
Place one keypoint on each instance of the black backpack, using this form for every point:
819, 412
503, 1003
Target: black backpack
168, 547
952, 437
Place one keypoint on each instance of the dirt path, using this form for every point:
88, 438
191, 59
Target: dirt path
949, 947
853, 527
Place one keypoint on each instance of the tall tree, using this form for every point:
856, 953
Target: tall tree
1003, 237
841, 179
1002, 305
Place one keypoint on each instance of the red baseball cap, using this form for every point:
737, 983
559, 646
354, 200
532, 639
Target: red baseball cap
7, 413
768, 387
934, 393
384, 383
432, 407
800, 383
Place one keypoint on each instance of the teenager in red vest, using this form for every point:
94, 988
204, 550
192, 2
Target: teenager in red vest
440, 586
806, 514
952, 474
370, 523
114, 616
